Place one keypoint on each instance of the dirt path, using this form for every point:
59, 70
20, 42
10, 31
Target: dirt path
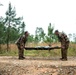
10, 65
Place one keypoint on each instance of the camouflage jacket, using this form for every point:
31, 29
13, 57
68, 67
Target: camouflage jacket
21, 41
63, 38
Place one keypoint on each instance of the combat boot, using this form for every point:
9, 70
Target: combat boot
64, 59
21, 58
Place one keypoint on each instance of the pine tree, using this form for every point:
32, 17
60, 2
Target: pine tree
2, 31
22, 28
11, 22
50, 37
39, 34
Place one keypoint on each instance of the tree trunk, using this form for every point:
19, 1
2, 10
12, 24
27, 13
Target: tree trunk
8, 36
0, 47
7, 41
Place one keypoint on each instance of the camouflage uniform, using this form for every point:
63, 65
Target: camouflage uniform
21, 44
64, 44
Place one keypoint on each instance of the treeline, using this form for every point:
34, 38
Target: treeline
12, 27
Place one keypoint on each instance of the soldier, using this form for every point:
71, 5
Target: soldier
64, 44
21, 44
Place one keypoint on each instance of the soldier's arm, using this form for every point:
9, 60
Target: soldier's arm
22, 42
63, 40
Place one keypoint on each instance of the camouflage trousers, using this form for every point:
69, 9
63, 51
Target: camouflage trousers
20, 51
64, 50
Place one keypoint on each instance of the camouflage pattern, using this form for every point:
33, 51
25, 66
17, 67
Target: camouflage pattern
21, 45
64, 44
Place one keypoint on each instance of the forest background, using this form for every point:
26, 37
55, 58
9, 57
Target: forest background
12, 27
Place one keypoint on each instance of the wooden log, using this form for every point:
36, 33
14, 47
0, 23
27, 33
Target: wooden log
42, 48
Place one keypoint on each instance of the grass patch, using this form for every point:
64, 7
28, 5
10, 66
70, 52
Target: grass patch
9, 53
41, 53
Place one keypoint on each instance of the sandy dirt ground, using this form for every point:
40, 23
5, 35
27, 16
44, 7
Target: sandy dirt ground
11, 65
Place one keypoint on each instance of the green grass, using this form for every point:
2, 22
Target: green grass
41, 53
71, 52
9, 53
31, 53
